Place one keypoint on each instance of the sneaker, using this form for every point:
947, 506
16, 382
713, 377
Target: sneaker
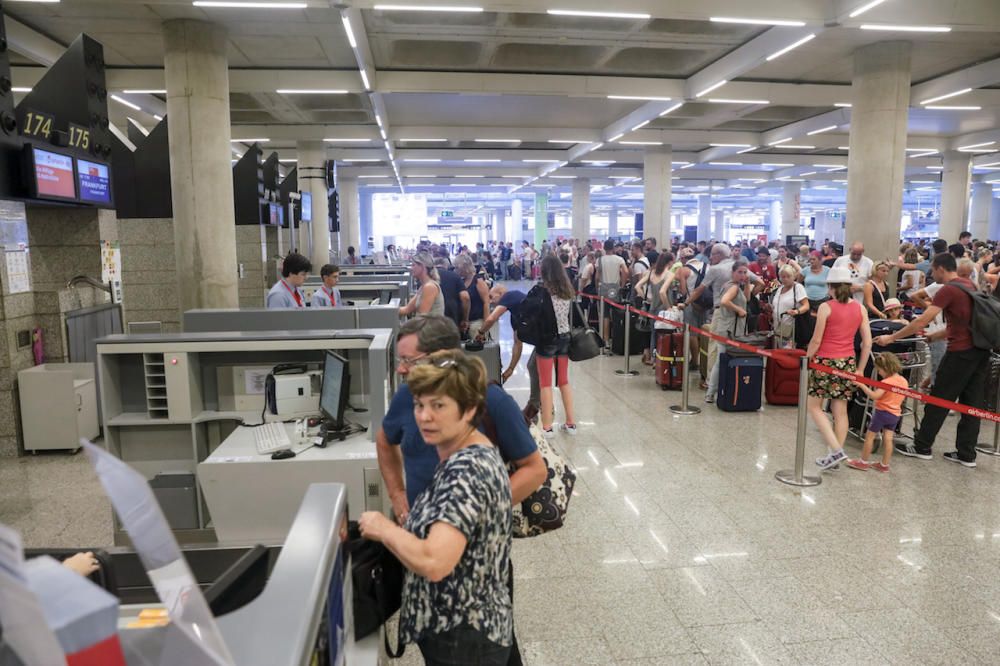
910, 451
548, 433
858, 463
879, 467
568, 428
710, 398
953, 456
832, 459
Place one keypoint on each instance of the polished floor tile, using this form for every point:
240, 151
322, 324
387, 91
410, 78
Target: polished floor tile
681, 548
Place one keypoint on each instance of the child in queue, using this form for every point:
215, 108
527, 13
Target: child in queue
885, 418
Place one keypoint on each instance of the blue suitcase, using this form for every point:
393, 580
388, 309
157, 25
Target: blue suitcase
741, 379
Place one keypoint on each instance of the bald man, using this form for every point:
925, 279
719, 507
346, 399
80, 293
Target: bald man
860, 267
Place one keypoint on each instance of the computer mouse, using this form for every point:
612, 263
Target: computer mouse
283, 454
313, 422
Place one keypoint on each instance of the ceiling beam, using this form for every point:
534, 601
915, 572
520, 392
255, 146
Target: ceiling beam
977, 76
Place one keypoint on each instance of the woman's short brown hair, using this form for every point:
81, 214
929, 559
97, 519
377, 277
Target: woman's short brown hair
841, 292
451, 373
889, 363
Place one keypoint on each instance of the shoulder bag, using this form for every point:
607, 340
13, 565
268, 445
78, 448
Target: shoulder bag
377, 584
584, 342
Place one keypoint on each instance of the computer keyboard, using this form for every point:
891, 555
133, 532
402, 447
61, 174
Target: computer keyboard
271, 437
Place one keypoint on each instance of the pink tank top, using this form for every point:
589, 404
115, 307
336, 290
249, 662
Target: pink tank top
841, 327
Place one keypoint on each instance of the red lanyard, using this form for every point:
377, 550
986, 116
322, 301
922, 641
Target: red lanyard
329, 293
294, 293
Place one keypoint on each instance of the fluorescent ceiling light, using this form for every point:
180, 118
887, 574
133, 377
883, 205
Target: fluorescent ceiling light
941, 97
126, 103
364, 80
287, 159
789, 146
730, 145
158, 117
639, 126
497, 140
568, 141
309, 91
463, 175
712, 87
337, 140
616, 137
724, 100
580, 12
954, 108
795, 45
756, 21
977, 145
672, 109
988, 166
368, 175
926, 153
249, 140
920, 150
820, 131
780, 141
726, 163
641, 143
425, 140
249, 5
864, 8
134, 92
481, 160
350, 31
843, 105
428, 8
907, 28
808, 173
420, 160
363, 159
829, 166
602, 162
640, 97
777, 164
20, 90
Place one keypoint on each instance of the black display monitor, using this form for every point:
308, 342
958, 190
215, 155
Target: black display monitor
336, 390
94, 182
50, 175
239, 584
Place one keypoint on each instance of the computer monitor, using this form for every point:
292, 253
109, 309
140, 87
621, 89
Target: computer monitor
239, 584
335, 391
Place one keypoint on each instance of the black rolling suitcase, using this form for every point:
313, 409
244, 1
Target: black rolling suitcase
489, 354
637, 339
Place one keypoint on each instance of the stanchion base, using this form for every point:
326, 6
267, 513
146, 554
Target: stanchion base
680, 409
626, 373
988, 450
788, 476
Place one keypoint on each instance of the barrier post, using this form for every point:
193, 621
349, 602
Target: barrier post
995, 449
626, 372
796, 477
685, 408
600, 324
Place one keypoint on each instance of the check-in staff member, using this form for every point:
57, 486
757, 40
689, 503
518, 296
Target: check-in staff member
328, 296
286, 292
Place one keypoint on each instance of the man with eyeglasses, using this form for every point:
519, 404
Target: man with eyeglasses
860, 267
401, 447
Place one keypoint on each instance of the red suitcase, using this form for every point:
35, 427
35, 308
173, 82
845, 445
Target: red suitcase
669, 359
781, 378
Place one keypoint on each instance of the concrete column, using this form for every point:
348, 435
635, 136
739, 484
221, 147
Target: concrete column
719, 231
820, 231
613, 221
541, 219
656, 180
955, 182
791, 210
774, 223
312, 179
500, 226
979, 215
350, 215
677, 229
517, 221
995, 220
877, 160
705, 218
580, 222
366, 204
201, 177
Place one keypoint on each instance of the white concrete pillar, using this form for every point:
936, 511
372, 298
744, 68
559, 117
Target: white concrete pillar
820, 230
657, 182
705, 218
613, 221
719, 231
312, 179
877, 159
677, 229
350, 216
955, 182
201, 176
580, 222
791, 210
979, 214
517, 221
774, 222
500, 226
995, 220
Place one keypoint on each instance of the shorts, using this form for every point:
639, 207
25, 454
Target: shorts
558, 347
882, 420
695, 316
824, 385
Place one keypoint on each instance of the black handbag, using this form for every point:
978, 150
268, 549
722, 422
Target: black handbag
377, 581
584, 342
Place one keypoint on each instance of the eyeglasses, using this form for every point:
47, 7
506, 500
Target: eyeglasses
411, 362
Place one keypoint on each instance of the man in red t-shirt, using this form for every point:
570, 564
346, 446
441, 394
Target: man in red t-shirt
767, 270
961, 376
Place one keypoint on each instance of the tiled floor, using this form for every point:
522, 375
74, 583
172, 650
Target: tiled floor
681, 548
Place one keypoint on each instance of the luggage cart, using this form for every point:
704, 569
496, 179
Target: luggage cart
993, 388
914, 354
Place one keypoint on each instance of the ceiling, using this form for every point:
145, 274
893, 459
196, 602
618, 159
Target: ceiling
465, 82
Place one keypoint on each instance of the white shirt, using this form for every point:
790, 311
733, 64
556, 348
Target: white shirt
609, 268
938, 323
861, 272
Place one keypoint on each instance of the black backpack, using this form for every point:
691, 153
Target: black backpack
536, 320
707, 299
985, 323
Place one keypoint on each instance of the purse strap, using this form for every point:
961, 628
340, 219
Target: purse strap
377, 578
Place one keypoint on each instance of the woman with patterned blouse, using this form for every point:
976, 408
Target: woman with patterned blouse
456, 540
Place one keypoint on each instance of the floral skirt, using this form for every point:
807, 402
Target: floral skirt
824, 385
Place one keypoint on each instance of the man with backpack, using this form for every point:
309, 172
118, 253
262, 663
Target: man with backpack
973, 321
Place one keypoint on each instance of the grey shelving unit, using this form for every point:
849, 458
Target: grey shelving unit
160, 394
